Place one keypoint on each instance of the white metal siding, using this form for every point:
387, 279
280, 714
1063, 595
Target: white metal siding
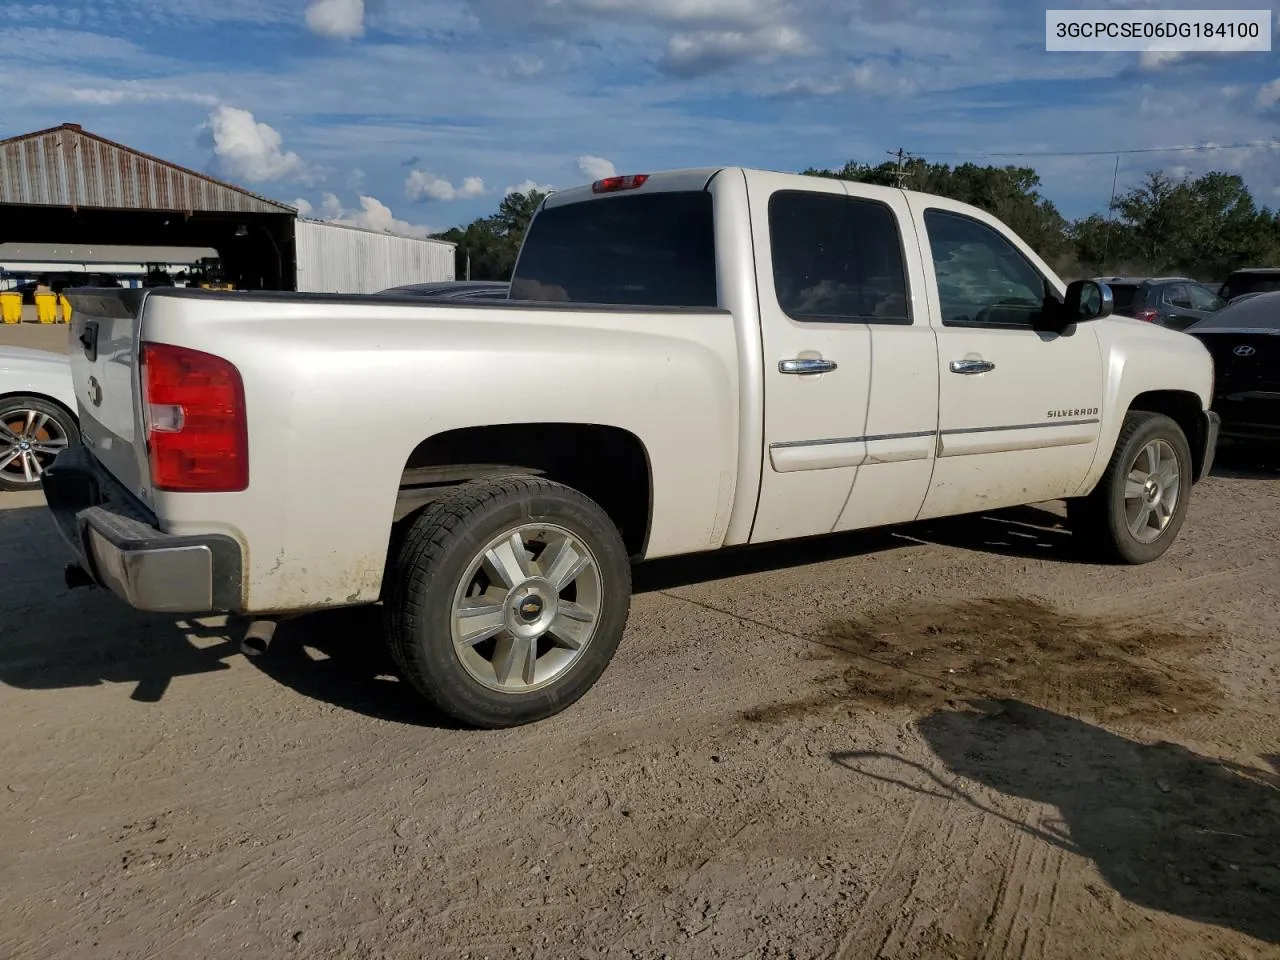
337, 259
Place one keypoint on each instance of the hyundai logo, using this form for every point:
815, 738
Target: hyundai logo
1244, 350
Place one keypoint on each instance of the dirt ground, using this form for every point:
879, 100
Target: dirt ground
953, 740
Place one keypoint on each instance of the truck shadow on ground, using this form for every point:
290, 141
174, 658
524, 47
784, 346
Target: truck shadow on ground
1168, 829
1030, 533
339, 657
1027, 532
54, 638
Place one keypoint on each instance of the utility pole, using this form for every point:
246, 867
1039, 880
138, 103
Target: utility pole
1111, 212
900, 174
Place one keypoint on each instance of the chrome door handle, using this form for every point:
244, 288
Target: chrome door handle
807, 365
972, 366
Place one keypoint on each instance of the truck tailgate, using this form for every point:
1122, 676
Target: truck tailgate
105, 328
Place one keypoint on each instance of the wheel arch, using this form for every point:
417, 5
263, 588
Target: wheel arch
606, 463
47, 398
1183, 407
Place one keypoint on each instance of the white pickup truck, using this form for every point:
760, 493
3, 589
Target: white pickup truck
690, 360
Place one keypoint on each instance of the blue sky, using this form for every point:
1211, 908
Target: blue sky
416, 115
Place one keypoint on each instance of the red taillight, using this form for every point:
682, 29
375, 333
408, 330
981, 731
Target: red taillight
612, 184
193, 406
1147, 314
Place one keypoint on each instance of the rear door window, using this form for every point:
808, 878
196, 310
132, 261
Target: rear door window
837, 259
1177, 295
654, 249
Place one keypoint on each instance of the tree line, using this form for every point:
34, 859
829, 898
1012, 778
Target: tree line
1202, 227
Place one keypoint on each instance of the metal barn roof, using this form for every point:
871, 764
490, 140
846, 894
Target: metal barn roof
67, 167
101, 253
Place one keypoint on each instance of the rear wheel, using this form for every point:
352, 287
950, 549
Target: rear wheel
32, 432
1139, 505
507, 600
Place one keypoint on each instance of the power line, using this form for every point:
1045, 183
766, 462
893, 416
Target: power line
1186, 148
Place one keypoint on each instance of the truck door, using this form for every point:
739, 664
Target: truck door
833, 280
1020, 409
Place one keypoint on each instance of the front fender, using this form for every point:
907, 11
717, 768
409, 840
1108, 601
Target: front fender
1142, 359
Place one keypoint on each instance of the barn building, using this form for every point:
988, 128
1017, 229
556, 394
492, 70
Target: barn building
66, 189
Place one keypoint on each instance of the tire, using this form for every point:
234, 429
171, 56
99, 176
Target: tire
33, 431
456, 577
1104, 520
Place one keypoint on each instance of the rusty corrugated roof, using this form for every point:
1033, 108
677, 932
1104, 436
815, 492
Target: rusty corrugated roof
67, 167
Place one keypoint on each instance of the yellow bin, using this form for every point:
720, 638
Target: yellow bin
11, 307
47, 307
65, 304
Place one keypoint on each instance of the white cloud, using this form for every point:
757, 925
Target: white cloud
305, 209
529, 186
877, 77
129, 92
660, 12
420, 185
1269, 95
331, 206
81, 47
1154, 60
597, 168
252, 151
705, 51
372, 215
340, 19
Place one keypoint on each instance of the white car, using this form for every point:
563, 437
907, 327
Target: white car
690, 360
37, 414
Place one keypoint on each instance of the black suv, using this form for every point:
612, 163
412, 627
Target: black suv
1173, 302
1250, 280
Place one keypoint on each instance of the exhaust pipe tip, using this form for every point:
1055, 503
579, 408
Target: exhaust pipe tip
257, 639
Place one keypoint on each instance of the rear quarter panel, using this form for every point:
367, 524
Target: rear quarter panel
340, 392
39, 373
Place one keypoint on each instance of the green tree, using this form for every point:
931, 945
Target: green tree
1010, 193
1204, 227
492, 243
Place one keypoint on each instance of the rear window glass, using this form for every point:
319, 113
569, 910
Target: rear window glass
1260, 312
654, 249
1250, 283
1125, 294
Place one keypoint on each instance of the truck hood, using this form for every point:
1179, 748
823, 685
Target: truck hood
1156, 356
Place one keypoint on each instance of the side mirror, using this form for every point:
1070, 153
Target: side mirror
1087, 300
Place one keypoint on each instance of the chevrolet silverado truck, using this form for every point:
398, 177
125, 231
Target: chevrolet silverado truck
688, 361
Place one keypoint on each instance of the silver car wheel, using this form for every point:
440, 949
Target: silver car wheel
1151, 491
526, 608
29, 440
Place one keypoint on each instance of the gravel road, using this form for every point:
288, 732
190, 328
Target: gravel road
953, 740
